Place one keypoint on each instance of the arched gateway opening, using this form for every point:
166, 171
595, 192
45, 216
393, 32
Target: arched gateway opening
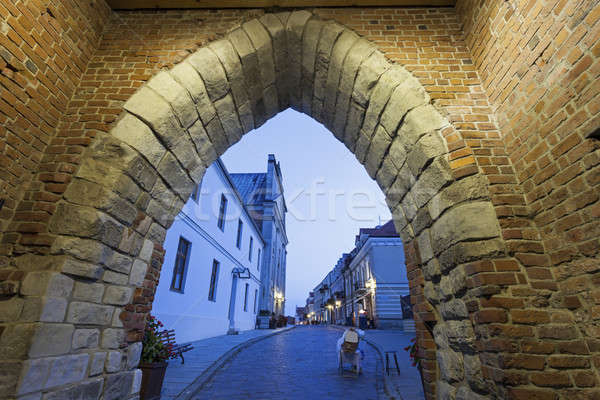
134, 180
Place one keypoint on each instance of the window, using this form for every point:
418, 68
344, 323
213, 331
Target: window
246, 298
214, 277
180, 267
255, 296
250, 248
196, 193
258, 261
222, 213
238, 240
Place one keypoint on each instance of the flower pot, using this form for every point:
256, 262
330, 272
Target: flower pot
153, 375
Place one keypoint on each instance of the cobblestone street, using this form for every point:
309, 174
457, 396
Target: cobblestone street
299, 364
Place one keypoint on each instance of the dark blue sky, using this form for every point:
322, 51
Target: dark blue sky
328, 193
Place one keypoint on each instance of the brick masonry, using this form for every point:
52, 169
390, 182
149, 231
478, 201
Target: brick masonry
494, 299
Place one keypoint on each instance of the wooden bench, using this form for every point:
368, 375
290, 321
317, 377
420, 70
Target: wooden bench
167, 337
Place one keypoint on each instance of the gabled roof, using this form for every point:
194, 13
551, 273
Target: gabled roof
386, 230
250, 186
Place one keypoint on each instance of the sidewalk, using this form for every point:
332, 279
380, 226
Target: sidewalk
205, 354
407, 385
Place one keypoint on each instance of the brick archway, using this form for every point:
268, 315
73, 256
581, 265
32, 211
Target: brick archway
133, 180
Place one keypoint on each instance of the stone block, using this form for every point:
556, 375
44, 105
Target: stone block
229, 119
379, 145
380, 96
473, 373
294, 31
356, 114
369, 73
155, 111
118, 386
31, 396
421, 120
35, 283
119, 262
32, 309
261, 41
450, 365
464, 393
176, 95
172, 171
189, 78
211, 70
310, 41
204, 147
113, 361
436, 176
454, 283
115, 277
85, 338
138, 135
425, 249
386, 175
51, 340
60, 285
137, 381
276, 31
329, 34
138, 273
86, 390
134, 353
429, 146
362, 146
465, 222
431, 292
157, 233
403, 183
35, 374
10, 309
461, 336
116, 320
359, 52
340, 49
88, 291
239, 86
117, 295
454, 309
67, 369
84, 249
113, 338
470, 188
89, 313
469, 251
74, 220
97, 363
406, 96
445, 391
53, 309
16, 339
217, 136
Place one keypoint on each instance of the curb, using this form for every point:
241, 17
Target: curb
387, 386
194, 387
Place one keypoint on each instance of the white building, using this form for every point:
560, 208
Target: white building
210, 279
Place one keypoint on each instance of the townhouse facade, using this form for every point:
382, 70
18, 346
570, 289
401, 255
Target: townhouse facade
218, 264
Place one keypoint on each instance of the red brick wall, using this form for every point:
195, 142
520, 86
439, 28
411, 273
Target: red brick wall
44, 49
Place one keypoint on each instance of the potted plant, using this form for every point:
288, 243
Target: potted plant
153, 361
263, 319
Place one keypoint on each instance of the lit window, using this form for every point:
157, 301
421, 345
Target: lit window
238, 241
222, 213
214, 277
180, 267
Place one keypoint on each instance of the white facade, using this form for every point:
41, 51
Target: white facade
190, 311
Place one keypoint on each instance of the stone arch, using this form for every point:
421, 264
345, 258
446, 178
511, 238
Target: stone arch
133, 181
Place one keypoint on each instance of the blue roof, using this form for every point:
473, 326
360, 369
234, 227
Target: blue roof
251, 187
